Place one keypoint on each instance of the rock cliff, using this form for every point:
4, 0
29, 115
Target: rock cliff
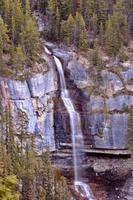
34, 96
104, 105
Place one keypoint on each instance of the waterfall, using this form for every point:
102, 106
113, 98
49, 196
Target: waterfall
77, 136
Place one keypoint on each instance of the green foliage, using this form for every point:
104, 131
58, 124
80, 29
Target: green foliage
52, 5
81, 32
74, 31
36, 177
122, 55
101, 34
113, 36
97, 62
19, 59
19, 36
4, 40
65, 8
90, 17
70, 29
8, 188
52, 31
30, 40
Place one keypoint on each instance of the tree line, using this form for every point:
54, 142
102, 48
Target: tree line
81, 22
19, 36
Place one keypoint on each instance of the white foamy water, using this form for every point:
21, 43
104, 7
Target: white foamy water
47, 50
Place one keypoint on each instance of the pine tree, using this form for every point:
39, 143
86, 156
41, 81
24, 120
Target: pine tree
4, 40
57, 30
18, 20
125, 31
14, 17
102, 13
53, 29
118, 9
27, 7
8, 188
70, 30
19, 60
52, 6
6, 12
113, 36
65, 8
101, 35
81, 32
30, 40
61, 191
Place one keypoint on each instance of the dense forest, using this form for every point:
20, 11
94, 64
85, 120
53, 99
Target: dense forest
19, 36
84, 24
100, 25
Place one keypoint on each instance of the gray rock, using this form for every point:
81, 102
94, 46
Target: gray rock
44, 107
61, 54
43, 84
27, 107
119, 128
78, 73
112, 81
118, 103
96, 103
49, 140
110, 132
18, 90
127, 75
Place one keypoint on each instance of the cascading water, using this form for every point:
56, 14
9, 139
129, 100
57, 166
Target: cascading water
77, 136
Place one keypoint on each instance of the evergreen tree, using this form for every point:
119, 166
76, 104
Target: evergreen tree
65, 8
125, 31
97, 62
8, 188
70, 29
19, 60
80, 31
53, 29
101, 34
52, 6
6, 12
18, 20
4, 40
30, 40
113, 36
102, 13
61, 191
